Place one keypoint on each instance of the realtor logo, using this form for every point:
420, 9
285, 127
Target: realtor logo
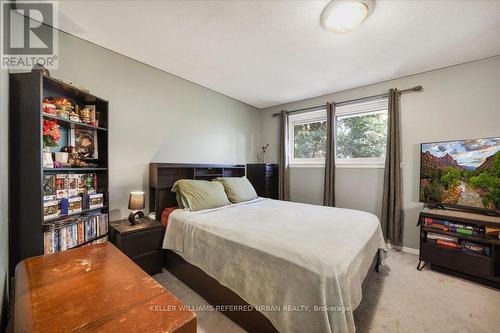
28, 34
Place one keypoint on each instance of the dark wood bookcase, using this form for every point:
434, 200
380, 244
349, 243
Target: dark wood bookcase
476, 267
27, 91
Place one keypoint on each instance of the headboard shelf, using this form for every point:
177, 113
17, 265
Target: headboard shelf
162, 177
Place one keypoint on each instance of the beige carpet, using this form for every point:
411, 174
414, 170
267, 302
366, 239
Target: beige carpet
398, 299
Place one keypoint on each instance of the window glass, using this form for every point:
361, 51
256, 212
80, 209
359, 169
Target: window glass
362, 135
310, 140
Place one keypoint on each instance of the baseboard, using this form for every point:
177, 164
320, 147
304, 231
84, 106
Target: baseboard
403, 249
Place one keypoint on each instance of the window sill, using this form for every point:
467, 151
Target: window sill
340, 166
360, 166
312, 165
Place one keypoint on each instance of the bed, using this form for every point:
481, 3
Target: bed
283, 266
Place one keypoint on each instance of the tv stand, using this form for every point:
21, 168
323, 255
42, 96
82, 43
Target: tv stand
434, 206
472, 266
438, 206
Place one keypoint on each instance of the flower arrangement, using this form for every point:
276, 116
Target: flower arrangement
261, 155
51, 133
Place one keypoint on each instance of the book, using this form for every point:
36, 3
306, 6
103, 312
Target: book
49, 187
81, 237
61, 186
73, 185
96, 200
82, 183
431, 235
50, 239
472, 247
74, 205
436, 226
454, 228
71, 232
493, 231
50, 209
463, 231
447, 225
91, 183
447, 244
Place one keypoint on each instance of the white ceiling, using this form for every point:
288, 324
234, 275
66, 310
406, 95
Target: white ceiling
266, 53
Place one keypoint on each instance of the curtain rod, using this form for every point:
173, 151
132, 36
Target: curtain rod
404, 91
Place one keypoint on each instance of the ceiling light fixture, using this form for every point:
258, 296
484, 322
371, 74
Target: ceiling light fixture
342, 16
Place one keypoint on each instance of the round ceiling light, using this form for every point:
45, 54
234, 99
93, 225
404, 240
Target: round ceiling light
342, 16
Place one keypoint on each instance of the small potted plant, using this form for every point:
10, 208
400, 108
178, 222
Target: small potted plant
261, 155
51, 135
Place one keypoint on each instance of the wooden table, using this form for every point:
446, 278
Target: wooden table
94, 288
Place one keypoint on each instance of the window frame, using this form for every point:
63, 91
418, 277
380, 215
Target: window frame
300, 119
377, 105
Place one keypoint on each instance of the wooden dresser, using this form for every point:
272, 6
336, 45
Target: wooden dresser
264, 178
94, 288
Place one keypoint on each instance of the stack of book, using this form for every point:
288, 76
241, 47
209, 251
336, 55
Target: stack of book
475, 248
72, 232
444, 241
66, 194
456, 244
461, 228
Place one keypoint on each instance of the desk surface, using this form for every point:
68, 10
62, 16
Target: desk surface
472, 217
94, 288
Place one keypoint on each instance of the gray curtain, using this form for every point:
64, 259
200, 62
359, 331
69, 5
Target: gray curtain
329, 186
392, 211
284, 185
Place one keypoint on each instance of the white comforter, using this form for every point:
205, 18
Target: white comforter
300, 265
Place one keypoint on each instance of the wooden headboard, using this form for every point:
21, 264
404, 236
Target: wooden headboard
162, 177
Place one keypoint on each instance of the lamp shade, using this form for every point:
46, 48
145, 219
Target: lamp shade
136, 201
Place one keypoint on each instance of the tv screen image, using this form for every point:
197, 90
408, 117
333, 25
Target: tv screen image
462, 173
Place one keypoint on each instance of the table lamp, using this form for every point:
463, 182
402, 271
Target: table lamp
135, 204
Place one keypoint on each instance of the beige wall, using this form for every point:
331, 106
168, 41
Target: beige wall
457, 103
154, 117
157, 117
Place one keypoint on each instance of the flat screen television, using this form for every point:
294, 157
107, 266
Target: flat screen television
462, 174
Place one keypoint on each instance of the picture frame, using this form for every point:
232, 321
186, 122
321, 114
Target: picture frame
85, 142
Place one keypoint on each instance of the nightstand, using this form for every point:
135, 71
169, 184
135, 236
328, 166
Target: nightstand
141, 242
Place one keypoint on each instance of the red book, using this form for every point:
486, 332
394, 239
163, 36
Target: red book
448, 244
437, 226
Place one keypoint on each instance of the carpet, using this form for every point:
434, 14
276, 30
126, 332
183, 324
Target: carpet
398, 299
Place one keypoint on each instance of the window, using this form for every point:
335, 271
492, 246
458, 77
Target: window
361, 131
361, 135
307, 134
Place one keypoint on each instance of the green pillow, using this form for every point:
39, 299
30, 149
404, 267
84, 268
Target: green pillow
238, 189
200, 194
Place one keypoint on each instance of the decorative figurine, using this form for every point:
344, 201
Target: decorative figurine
64, 108
85, 115
73, 116
48, 107
41, 69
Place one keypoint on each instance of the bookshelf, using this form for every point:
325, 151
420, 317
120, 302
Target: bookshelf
481, 267
27, 172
